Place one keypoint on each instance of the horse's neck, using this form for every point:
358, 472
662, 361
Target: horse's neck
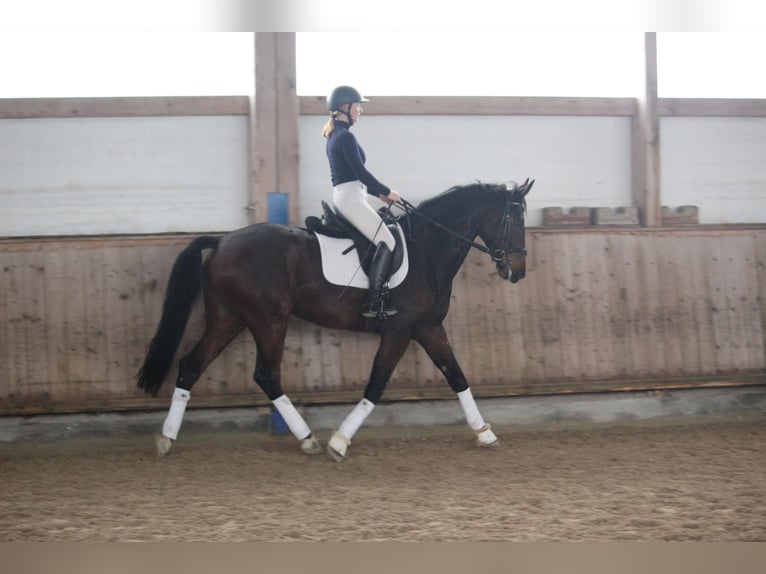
446, 257
451, 262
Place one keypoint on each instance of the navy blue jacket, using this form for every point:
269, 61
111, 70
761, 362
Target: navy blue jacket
347, 160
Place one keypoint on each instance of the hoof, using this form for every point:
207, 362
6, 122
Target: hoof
310, 445
162, 443
337, 447
485, 437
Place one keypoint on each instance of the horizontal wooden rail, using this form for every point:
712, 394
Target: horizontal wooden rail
702, 107
380, 105
127, 107
479, 105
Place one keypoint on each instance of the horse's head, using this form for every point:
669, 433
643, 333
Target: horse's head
502, 231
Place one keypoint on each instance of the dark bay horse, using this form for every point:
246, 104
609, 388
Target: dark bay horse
256, 277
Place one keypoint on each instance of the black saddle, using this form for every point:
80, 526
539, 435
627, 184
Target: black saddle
333, 224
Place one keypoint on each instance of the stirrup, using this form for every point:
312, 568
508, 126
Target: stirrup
378, 309
377, 306
380, 313
369, 311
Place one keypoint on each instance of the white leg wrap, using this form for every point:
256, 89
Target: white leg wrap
355, 418
292, 417
472, 415
172, 423
337, 446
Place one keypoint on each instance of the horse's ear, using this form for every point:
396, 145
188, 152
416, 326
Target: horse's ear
527, 187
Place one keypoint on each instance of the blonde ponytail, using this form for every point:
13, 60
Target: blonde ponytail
329, 127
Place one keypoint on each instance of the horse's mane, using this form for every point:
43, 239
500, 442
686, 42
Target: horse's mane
458, 195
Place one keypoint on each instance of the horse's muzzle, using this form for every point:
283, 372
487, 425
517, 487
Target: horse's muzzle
505, 270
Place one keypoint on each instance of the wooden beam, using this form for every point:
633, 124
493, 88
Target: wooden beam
709, 107
263, 152
274, 124
474, 105
287, 123
646, 141
123, 107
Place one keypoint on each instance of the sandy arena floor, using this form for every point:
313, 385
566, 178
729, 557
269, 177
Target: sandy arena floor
700, 479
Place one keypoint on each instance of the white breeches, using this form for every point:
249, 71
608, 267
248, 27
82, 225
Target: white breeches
350, 199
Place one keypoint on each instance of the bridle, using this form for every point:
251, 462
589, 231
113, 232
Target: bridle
497, 255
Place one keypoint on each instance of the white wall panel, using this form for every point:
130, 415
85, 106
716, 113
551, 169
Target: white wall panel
717, 164
576, 160
71, 176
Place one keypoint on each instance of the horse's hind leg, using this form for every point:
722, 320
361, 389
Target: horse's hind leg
270, 341
220, 330
435, 342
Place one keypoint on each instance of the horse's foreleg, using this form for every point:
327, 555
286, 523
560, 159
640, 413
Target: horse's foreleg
337, 446
483, 430
391, 349
435, 342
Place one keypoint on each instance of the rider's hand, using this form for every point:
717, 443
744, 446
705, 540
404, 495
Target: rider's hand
392, 196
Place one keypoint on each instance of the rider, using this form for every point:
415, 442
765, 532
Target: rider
351, 183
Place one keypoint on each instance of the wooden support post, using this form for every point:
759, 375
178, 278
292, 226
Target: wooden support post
273, 125
646, 141
287, 124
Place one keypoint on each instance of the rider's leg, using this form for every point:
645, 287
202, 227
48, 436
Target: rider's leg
380, 272
351, 201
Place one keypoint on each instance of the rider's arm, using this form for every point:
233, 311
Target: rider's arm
353, 155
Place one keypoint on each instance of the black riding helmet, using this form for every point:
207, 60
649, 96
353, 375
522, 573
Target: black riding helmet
343, 95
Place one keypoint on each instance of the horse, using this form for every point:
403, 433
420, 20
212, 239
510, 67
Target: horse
258, 276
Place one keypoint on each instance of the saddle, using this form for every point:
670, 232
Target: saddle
333, 224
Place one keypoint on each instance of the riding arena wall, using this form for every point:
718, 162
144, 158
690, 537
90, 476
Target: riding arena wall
599, 310
97, 205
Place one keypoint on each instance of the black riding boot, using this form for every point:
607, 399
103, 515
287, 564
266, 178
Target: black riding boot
377, 296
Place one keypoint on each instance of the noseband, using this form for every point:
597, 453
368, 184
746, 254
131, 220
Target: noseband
497, 255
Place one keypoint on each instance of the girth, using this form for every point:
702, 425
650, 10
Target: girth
333, 224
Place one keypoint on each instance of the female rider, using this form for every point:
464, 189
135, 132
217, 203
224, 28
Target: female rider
351, 184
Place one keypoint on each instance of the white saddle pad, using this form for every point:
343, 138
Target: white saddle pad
345, 270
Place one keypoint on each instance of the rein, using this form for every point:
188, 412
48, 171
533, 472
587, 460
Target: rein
497, 255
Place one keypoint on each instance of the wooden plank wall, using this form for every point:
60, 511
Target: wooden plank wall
599, 309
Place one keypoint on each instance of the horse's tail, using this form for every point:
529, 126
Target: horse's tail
182, 291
